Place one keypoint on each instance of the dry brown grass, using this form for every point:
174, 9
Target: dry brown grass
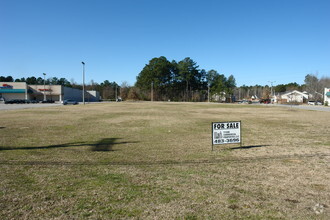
154, 161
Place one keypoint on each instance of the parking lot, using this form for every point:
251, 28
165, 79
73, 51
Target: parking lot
26, 106
308, 107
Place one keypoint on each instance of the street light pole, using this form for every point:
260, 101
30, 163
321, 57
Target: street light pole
44, 86
83, 82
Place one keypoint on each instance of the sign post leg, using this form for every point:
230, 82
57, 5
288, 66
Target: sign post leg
240, 131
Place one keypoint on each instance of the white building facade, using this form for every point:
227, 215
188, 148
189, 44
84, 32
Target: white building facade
294, 96
327, 95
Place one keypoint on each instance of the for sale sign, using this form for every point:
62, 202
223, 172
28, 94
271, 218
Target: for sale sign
226, 132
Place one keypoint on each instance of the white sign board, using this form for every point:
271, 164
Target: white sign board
226, 132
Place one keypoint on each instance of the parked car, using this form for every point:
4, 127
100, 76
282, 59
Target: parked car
311, 103
265, 101
48, 101
15, 101
243, 102
9, 102
70, 102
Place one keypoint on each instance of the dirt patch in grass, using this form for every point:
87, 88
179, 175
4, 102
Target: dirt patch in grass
154, 160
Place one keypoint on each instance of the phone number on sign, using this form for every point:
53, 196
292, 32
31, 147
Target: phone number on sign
231, 140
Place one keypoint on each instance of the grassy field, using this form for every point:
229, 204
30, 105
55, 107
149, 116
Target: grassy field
154, 161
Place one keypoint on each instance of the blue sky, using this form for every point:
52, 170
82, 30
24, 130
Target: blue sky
255, 40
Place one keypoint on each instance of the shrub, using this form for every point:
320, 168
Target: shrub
134, 94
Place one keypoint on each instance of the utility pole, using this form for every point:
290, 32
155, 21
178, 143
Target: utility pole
44, 86
152, 91
116, 94
239, 93
271, 88
208, 92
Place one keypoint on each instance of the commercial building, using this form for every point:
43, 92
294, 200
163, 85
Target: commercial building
57, 93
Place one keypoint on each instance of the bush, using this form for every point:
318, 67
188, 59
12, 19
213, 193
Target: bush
326, 103
134, 94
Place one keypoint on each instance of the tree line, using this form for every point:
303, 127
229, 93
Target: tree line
312, 84
159, 80
183, 80
163, 80
38, 81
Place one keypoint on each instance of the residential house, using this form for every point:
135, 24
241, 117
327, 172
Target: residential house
327, 96
294, 96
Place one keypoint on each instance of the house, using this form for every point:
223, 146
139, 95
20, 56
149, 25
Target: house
219, 97
327, 96
294, 96
254, 97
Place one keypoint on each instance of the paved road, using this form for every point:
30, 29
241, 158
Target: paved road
25, 106
305, 107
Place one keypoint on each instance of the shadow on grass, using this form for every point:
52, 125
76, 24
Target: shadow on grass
105, 144
2, 127
248, 147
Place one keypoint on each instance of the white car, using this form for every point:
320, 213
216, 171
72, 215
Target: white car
70, 102
314, 103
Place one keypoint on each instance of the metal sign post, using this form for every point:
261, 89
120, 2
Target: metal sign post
226, 133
